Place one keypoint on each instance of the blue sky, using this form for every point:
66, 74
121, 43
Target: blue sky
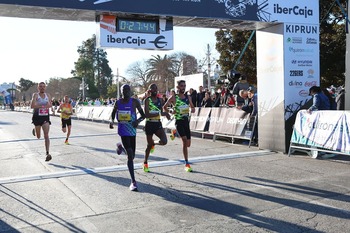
38, 49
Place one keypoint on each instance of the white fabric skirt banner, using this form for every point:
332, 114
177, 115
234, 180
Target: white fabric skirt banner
323, 129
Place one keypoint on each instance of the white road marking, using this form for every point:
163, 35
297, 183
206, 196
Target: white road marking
77, 172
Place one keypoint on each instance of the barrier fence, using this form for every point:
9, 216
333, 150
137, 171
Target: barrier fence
321, 131
219, 122
223, 122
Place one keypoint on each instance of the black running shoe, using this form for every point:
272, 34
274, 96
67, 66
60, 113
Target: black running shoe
48, 157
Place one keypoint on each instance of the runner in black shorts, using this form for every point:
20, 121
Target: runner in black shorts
183, 106
41, 103
66, 111
153, 108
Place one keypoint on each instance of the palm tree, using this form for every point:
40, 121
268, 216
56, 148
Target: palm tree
161, 71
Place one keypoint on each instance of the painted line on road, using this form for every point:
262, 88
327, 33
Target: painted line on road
77, 172
58, 137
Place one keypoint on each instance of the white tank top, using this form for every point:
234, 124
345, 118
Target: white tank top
42, 101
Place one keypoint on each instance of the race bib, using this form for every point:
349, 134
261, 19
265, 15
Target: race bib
184, 110
156, 117
43, 111
124, 116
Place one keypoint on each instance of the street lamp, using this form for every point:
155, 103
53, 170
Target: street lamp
83, 86
124, 79
209, 66
217, 72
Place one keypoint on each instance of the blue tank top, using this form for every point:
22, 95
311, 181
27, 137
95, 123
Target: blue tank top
125, 116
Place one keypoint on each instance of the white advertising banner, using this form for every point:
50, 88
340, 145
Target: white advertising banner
157, 35
270, 68
323, 129
301, 62
192, 81
296, 11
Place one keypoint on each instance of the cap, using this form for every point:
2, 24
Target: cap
313, 89
251, 89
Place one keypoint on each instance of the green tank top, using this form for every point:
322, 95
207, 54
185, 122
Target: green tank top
154, 108
182, 108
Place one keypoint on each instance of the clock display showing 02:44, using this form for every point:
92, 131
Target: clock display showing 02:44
137, 26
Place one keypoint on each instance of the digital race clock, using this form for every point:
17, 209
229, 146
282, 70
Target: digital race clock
137, 26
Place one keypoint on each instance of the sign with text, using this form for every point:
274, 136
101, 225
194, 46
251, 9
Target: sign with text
323, 129
301, 59
134, 33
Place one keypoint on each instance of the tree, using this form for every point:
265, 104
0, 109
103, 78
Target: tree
93, 65
161, 71
59, 87
24, 86
332, 43
230, 45
186, 64
139, 70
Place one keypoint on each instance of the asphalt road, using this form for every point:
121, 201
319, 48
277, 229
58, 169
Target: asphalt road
233, 188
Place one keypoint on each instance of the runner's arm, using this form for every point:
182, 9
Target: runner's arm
59, 108
171, 100
191, 105
166, 114
115, 107
147, 113
137, 105
33, 101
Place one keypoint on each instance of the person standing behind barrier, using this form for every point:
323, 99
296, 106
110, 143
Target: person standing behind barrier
319, 100
153, 111
200, 97
253, 96
242, 84
193, 94
207, 102
332, 103
182, 108
230, 102
244, 105
124, 111
66, 111
340, 98
41, 103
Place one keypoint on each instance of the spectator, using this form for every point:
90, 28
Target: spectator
225, 95
230, 100
193, 94
242, 84
164, 98
319, 99
97, 102
243, 94
200, 96
329, 94
253, 96
216, 99
340, 98
207, 102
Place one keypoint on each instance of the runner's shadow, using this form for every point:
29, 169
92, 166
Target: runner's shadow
32, 206
200, 201
296, 204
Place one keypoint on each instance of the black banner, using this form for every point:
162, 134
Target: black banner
183, 8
